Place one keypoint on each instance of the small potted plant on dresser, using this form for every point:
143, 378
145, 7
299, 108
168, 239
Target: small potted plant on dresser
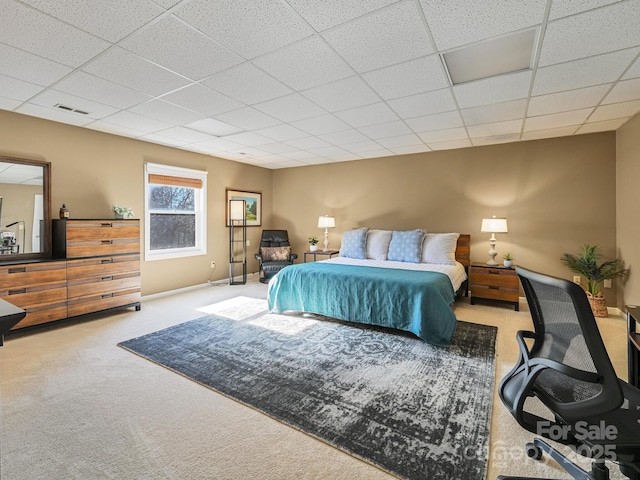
508, 260
313, 244
586, 265
122, 212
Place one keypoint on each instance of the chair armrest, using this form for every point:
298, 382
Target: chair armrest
293, 256
258, 256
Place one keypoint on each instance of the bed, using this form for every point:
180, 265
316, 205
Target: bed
374, 284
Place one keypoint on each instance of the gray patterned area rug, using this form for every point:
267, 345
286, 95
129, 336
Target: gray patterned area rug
414, 410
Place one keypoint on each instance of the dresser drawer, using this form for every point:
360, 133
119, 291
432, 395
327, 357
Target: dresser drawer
94, 303
103, 285
102, 266
43, 315
92, 238
31, 274
494, 283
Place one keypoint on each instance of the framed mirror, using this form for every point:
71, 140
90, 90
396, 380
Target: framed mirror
25, 209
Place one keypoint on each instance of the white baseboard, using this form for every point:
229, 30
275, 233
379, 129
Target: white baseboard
223, 281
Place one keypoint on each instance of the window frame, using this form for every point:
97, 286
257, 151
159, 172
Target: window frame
200, 204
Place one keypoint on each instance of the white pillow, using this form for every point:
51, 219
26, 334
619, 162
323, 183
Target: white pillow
378, 244
440, 248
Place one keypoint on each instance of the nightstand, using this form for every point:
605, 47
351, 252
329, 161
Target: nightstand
328, 253
497, 283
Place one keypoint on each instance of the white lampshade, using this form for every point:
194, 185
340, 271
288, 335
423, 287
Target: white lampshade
237, 209
494, 225
326, 222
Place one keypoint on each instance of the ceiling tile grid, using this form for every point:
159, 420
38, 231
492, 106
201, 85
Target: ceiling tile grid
282, 83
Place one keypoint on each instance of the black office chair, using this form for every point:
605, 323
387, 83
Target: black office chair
271, 257
568, 370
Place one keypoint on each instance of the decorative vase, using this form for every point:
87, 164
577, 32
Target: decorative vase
508, 263
598, 305
313, 248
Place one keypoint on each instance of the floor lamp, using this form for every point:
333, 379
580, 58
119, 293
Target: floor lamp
237, 240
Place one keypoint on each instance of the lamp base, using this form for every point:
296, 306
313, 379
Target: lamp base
492, 263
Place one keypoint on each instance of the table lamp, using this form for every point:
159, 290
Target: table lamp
326, 222
493, 225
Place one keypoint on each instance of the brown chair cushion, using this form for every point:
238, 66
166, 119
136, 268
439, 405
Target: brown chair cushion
275, 254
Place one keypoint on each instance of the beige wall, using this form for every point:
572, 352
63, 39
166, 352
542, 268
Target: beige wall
628, 203
92, 170
557, 195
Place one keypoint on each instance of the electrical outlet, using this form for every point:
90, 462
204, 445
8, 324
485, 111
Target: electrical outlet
576, 279
213, 264
607, 283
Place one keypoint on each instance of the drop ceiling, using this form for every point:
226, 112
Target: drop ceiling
286, 83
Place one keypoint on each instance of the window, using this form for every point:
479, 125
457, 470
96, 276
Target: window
175, 212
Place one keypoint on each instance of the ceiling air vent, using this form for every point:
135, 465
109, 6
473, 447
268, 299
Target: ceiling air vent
70, 109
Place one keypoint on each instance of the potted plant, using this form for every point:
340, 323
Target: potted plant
313, 244
508, 260
122, 212
586, 265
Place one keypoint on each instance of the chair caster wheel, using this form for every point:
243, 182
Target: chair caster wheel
533, 451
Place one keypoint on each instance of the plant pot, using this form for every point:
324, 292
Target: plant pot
508, 263
598, 305
313, 248
118, 216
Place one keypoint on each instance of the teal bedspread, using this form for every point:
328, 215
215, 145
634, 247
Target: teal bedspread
413, 301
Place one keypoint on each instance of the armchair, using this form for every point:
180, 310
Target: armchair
564, 364
274, 253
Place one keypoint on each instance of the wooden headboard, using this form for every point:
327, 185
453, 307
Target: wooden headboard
463, 249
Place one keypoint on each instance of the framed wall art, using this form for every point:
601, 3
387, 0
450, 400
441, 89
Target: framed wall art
254, 205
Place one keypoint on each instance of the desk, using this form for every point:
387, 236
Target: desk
329, 253
10, 315
633, 344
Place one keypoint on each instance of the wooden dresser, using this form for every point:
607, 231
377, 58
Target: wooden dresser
495, 283
95, 266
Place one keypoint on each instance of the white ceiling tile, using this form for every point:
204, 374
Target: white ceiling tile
570, 100
247, 84
202, 100
183, 134
495, 139
166, 112
181, 48
308, 143
329, 13
94, 110
496, 112
424, 104
604, 126
401, 141
450, 145
386, 130
249, 139
18, 89
125, 68
591, 33
565, 8
493, 90
248, 118
415, 76
290, 108
459, 22
214, 127
495, 129
385, 37
549, 133
37, 32
634, 70
582, 73
615, 110
305, 64
555, 120
219, 145
408, 149
54, 114
444, 135
342, 94
282, 132
300, 155
383, 152
343, 137
162, 140
624, 91
9, 103
102, 126
266, 25
278, 147
368, 115
323, 124
359, 147
137, 122
328, 151
439, 121
99, 90
167, 3
31, 68
117, 19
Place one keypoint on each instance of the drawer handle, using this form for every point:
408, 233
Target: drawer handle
106, 260
493, 287
106, 279
18, 270
106, 242
18, 291
108, 295
106, 224
492, 272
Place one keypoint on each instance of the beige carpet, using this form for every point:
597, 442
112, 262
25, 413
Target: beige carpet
75, 406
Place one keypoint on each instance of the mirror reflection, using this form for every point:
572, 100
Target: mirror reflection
22, 208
